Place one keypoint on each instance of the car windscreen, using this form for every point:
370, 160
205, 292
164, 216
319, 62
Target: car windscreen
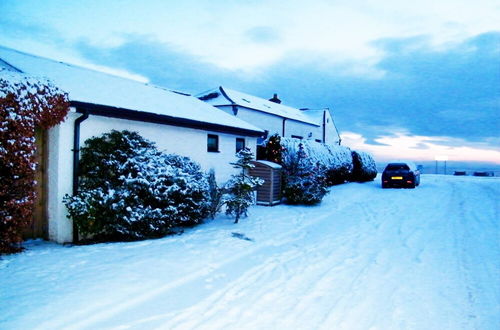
397, 167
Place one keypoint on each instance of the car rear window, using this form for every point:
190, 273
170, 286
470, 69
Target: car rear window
396, 167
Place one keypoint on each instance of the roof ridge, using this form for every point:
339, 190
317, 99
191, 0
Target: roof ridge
265, 100
225, 95
284, 110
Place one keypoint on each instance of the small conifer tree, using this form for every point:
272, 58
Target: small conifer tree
241, 186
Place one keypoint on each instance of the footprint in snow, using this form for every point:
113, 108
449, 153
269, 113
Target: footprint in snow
242, 236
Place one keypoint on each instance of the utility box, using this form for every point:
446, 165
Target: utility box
270, 192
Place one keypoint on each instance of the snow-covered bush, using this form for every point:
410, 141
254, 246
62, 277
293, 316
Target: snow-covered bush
335, 161
304, 177
216, 195
25, 104
131, 190
274, 149
241, 186
365, 168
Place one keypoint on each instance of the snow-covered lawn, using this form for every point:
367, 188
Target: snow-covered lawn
366, 258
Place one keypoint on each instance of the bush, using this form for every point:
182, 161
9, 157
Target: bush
216, 195
338, 164
25, 104
130, 190
304, 180
364, 169
335, 161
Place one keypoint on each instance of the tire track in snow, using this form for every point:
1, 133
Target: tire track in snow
258, 274
387, 268
471, 259
322, 274
80, 321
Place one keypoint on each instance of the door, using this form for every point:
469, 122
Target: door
38, 227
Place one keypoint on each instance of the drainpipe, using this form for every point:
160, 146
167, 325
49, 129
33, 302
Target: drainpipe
283, 131
76, 160
324, 126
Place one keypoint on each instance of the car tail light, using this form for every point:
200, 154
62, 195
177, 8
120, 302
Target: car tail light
409, 181
385, 181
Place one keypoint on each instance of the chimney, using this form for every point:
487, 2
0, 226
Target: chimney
275, 99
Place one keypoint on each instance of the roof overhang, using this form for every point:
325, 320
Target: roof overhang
148, 117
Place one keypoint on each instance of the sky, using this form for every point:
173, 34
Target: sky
402, 79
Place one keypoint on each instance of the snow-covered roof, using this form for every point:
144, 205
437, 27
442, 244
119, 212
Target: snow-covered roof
89, 86
268, 163
224, 96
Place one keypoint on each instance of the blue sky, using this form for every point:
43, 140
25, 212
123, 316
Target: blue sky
402, 79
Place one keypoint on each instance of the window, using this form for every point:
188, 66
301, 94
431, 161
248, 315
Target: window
240, 144
213, 143
318, 140
297, 137
261, 140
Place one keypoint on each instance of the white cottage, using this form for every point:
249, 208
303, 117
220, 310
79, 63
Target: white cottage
178, 123
274, 117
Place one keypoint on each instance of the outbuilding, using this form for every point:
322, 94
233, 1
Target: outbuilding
269, 193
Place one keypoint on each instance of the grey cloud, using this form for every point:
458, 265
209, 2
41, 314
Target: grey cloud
453, 92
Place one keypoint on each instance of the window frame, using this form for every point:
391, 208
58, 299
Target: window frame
211, 148
239, 139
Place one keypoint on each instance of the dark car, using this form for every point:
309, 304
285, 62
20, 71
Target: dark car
402, 175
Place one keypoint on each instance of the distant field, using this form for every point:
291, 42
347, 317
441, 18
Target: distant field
451, 167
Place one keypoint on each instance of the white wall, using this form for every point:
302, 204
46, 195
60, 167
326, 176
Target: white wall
182, 141
60, 176
274, 124
301, 129
331, 135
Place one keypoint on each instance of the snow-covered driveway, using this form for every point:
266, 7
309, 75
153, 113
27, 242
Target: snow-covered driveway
366, 258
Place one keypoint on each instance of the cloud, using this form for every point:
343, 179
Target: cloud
161, 63
453, 91
419, 148
263, 34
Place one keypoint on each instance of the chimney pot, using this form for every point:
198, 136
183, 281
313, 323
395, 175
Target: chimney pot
275, 99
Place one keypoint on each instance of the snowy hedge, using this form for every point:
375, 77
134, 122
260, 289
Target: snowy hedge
131, 190
25, 105
309, 167
364, 168
304, 174
335, 161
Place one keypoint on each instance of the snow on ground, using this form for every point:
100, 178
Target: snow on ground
366, 258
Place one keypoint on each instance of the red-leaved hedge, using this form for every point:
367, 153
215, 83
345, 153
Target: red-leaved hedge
25, 104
